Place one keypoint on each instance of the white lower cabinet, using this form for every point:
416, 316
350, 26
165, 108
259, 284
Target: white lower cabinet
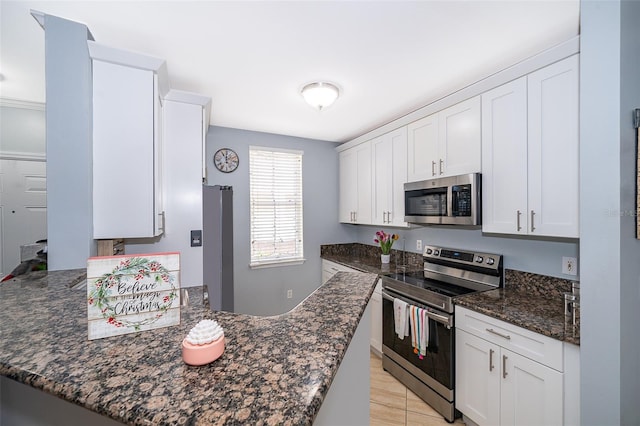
376, 318
506, 375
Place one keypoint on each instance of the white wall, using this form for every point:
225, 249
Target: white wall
263, 291
610, 285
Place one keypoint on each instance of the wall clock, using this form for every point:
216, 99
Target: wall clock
226, 160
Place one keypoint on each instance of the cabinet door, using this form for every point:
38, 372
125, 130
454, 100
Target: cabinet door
398, 140
477, 378
422, 149
389, 154
531, 394
382, 193
554, 150
504, 158
348, 185
459, 139
376, 318
364, 184
123, 152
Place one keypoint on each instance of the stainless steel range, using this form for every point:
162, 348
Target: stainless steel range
447, 273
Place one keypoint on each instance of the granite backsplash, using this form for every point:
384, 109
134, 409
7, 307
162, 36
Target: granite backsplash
365, 251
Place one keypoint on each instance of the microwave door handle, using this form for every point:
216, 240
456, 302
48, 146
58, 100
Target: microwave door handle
449, 201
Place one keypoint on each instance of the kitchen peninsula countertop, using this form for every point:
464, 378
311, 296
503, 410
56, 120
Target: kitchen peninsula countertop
274, 370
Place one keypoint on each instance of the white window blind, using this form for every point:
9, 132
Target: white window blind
275, 181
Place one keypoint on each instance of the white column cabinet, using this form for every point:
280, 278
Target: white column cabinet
127, 139
530, 153
355, 184
446, 143
506, 375
389, 153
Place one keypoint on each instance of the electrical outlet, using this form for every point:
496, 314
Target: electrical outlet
289, 294
419, 245
569, 265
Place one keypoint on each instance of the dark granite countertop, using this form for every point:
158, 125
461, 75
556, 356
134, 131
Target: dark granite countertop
274, 370
530, 301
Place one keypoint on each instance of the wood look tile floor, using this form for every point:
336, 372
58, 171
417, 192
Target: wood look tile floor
391, 403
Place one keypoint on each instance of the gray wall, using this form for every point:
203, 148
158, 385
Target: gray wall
263, 291
531, 255
22, 129
69, 155
610, 285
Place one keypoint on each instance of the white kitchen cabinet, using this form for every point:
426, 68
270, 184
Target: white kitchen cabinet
506, 375
127, 143
355, 184
376, 318
446, 143
530, 153
186, 119
389, 153
329, 269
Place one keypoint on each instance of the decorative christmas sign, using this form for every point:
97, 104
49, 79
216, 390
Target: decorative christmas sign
131, 293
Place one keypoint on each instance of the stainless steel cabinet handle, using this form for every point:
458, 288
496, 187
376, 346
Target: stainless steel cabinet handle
519, 213
355, 216
388, 217
505, 336
384, 217
491, 367
533, 228
504, 367
433, 168
441, 163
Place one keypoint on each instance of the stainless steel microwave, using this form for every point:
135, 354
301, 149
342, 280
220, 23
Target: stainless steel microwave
453, 200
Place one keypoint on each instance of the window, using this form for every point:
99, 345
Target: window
275, 187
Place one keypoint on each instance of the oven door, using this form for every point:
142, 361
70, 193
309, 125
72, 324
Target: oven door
436, 369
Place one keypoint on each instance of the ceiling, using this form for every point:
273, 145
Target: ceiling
252, 58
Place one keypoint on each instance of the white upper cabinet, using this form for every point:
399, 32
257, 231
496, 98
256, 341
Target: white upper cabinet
422, 148
553, 149
504, 158
389, 153
127, 141
355, 184
446, 143
530, 153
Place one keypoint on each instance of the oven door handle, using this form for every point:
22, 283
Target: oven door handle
446, 320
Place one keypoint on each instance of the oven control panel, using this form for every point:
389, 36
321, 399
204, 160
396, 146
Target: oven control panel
485, 260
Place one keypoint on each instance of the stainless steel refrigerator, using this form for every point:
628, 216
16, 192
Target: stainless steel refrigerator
217, 245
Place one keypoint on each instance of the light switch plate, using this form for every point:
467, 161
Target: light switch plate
196, 238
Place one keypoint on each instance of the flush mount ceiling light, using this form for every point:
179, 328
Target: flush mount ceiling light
320, 94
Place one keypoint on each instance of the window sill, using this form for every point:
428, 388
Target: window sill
276, 263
